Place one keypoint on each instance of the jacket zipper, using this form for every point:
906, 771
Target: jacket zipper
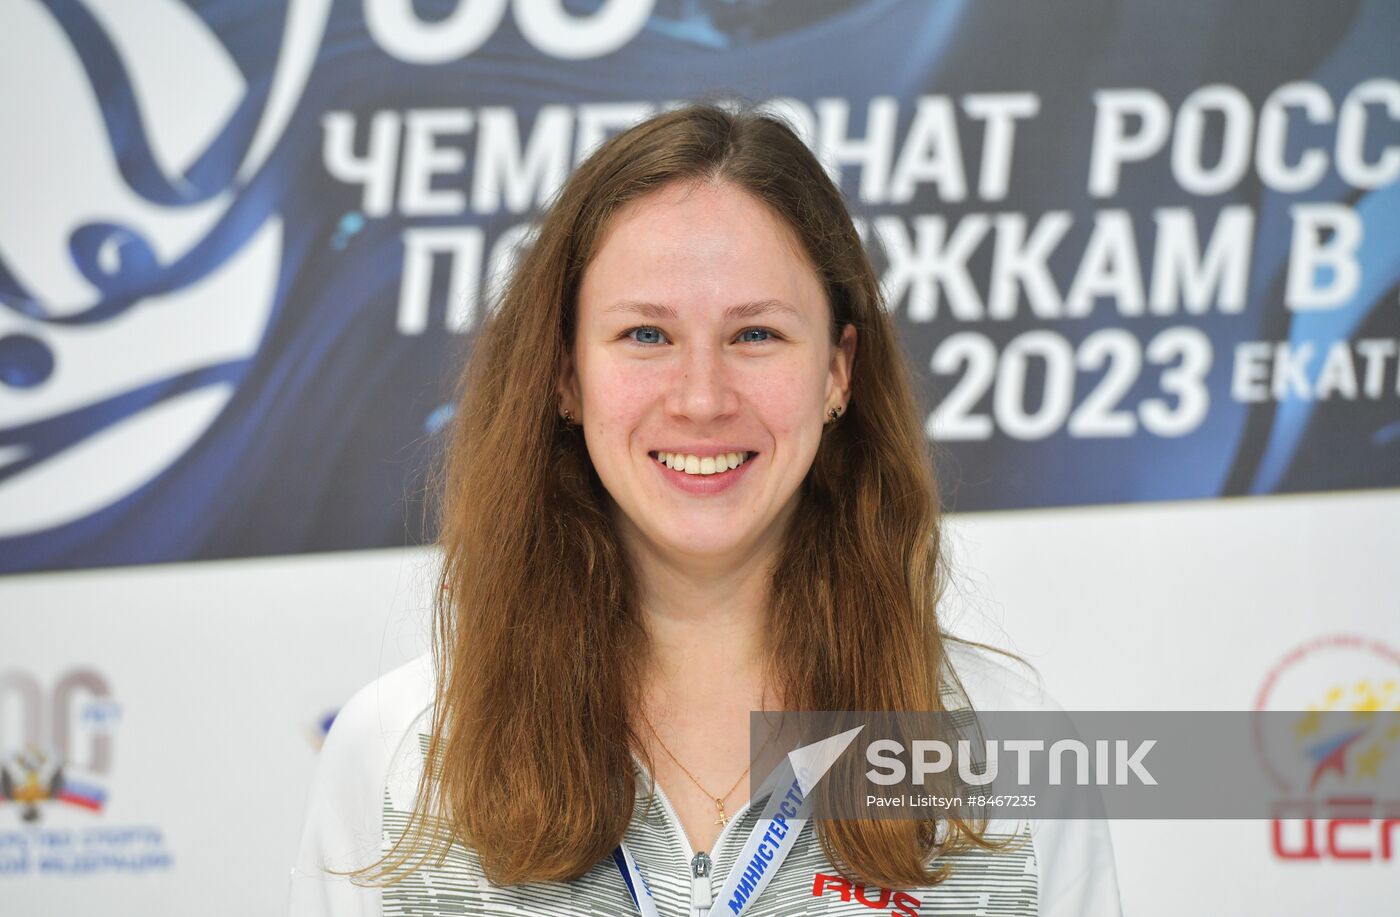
701, 893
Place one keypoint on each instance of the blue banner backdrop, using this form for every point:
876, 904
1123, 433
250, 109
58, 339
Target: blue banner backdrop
1136, 252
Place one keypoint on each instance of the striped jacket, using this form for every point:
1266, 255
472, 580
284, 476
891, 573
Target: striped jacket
364, 790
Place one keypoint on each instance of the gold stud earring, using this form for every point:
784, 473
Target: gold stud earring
834, 413
568, 416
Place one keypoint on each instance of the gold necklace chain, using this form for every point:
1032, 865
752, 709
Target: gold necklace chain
721, 819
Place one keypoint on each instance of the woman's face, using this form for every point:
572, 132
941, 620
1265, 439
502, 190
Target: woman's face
703, 335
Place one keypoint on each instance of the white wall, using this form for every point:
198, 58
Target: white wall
221, 671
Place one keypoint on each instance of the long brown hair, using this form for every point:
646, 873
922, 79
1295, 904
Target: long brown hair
539, 638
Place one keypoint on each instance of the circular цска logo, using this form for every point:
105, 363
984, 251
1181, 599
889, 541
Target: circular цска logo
1331, 728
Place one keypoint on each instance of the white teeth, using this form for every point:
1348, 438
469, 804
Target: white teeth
710, 464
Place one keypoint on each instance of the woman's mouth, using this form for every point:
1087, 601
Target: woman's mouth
690, 464
703, 475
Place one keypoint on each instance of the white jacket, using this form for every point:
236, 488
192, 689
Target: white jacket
368, 771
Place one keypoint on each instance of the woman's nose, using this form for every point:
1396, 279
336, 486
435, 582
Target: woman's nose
704, 390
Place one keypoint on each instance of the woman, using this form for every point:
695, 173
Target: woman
687, 480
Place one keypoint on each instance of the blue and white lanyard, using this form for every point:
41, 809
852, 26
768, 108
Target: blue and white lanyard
770, 841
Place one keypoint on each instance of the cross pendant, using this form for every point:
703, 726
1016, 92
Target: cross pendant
723, 819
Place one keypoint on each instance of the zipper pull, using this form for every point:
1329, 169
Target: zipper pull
701, 895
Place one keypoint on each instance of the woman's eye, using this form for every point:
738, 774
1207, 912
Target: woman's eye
764, 331
644, 334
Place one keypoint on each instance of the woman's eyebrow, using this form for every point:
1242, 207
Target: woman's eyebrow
743, 310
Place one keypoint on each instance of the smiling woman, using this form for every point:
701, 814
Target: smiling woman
704, 260
718, 500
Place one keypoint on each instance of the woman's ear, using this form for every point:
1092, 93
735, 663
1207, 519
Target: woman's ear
567, 391
843, 361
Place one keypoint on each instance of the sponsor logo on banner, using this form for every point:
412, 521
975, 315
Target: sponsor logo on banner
134, 299
57, 747
1328, 768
